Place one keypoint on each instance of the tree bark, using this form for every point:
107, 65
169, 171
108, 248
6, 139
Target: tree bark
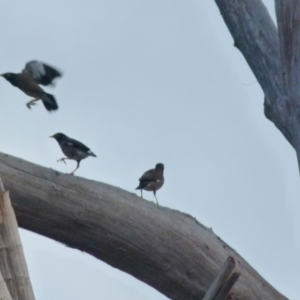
4, 292
13, 266
256, 36
288, 20
221, 281
169, 250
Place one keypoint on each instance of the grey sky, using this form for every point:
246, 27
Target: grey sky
147, 82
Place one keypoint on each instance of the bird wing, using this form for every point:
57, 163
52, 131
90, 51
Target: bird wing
149, 175
77, 144
148, 178
41, 73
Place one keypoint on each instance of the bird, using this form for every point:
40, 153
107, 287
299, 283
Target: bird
28, 81
152, 180
73, 149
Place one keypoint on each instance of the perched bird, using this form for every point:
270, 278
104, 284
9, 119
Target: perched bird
72, 149
152, 180
28, 81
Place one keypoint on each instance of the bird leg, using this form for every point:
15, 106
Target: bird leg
63, 159
31, 102
154, 192
141, 193
78, 163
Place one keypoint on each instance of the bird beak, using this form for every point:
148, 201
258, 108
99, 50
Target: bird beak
51, 136
1, 75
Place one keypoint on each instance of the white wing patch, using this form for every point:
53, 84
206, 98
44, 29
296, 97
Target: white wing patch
35, 68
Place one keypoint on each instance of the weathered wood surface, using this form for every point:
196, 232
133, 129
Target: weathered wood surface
288, 20
167, 249
13, 266
4, 292
220, 280
255, 35
226, 290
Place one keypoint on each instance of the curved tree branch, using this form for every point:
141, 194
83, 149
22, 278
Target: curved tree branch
164, 248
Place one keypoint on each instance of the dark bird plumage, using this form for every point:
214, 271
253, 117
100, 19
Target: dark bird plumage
152, 180
72, 149
28, 81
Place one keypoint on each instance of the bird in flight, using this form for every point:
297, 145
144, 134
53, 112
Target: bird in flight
152, 180
72, 149
28, 81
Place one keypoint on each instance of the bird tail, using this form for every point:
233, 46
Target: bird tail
49, 102
143, 184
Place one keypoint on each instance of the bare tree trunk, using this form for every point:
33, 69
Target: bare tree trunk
256, 36
164, 248
288, 19
273, 56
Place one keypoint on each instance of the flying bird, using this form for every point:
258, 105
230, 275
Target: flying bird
72, 149
28, 81
152, 180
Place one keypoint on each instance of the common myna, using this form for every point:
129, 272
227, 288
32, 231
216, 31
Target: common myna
28, 81
152, 180
72, 149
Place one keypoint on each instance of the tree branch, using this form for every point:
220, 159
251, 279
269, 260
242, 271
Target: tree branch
225, 292
164, 248
13, 266
220, 280
288, 20
4, 292
255, 35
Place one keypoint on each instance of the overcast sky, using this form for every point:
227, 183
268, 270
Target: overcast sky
147, 82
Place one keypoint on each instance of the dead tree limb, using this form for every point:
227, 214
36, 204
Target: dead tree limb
4, 292
221, 280
256, 36
288, 20
13, 266
226, 290
164, 248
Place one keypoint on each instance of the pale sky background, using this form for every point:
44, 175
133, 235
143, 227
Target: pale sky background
147, 82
